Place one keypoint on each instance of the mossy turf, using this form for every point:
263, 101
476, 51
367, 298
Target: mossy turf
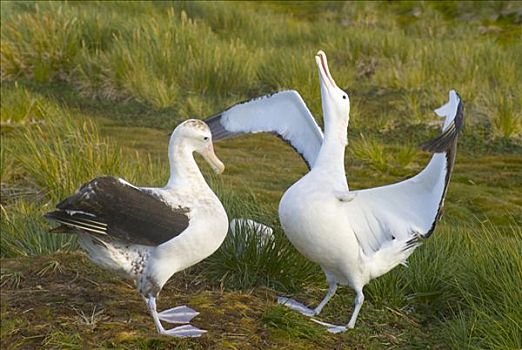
65, 301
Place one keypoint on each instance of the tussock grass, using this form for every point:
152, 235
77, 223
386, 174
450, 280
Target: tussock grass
25, 232
164, 60
59, 155
7, 167
373, 152
370, 151
242, 262
505, 114
199, 57
42, 46
489, 290
468, 279
20, 106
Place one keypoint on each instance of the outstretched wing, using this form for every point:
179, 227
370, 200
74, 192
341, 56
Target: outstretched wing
283, 113
412, 207
109, 206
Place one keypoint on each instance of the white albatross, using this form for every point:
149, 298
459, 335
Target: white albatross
148, 234
355, 236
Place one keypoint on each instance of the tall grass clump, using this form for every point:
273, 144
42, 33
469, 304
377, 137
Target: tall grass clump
371, 152
7, 166
505, 114
61, 155
61, 152
249, 258
42, 46
165, 59
426, 282
468, 279
19, 107
246, 260
25, 232
489, 286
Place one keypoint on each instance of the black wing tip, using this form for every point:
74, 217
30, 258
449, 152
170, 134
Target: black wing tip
217, 129
52, 215
55, 216
448, 138
413, 242
79, 222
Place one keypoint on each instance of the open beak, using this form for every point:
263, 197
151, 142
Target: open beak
212, 159
324, 72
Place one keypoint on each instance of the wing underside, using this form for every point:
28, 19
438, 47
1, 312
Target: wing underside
413, 207
284, 114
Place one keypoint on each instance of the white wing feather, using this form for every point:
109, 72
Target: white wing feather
406, 209
283, 113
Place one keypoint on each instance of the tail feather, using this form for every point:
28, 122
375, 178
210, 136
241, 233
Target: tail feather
395, 253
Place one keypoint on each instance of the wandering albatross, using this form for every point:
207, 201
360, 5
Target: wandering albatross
355, 236
148, 234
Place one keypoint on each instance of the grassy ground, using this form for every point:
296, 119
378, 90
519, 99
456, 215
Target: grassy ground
93, 88
91, 308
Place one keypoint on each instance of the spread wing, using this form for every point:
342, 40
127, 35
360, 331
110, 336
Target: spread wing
109, 206
410, 208
283, 113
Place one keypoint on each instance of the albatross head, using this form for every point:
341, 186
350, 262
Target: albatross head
336, 103
195, 136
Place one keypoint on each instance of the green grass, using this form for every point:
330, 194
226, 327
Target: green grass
93, 88
20, 106
181, 57
241, 263
504, 113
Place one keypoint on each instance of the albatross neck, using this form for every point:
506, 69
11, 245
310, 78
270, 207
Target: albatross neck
184, 170
331, 155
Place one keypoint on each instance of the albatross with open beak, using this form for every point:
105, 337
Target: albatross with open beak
148, 234
355, 236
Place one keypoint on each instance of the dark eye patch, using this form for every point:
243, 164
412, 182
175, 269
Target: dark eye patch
205, 138
344, 97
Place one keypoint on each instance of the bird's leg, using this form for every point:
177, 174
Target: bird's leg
332, 287
182, 331
151, 304
297, 306
359, 299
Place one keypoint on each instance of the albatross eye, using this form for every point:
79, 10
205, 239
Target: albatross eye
205, 138
344, 97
